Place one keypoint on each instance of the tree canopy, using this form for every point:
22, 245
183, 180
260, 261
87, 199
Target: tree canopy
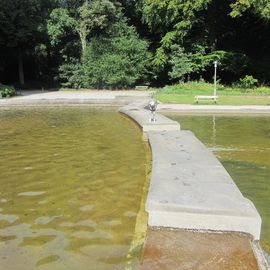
22, 25
260, 7
116, 44
90, 16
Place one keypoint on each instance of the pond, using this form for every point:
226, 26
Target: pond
242, 144
71, 187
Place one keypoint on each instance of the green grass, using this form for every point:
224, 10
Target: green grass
223, 100
184, 93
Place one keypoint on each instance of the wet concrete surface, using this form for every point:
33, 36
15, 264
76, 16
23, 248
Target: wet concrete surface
182, 249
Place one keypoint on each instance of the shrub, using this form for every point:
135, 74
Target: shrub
6, 91
116, 63
71, 75
247, 82
119, 61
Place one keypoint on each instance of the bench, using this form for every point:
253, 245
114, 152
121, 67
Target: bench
214, 98
141, 87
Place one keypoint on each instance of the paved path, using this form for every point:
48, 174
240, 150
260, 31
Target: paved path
91, 94
141, 115
189, 187
33, 92
39, 97
185, 108
75, 97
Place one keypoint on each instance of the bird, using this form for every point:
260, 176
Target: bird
152, 107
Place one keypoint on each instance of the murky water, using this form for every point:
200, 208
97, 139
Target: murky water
242, 143
71, 183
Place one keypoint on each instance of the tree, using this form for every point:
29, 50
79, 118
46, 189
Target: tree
89, 17
260, 7
171, 20
59, 24
180, 62
96, 14
42, 37
21, 25
116, 61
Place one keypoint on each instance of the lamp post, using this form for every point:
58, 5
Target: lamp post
215, 78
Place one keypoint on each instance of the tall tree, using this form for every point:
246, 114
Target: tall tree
260, 7
171, 20
21, 26
87, 18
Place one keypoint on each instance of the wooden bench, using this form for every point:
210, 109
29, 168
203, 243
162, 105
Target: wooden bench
198, 98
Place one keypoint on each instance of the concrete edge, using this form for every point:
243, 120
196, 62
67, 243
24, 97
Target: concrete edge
218, 112
51, 102
138, 113
217, 109
220, 223
60, 105
257, 250
259, 255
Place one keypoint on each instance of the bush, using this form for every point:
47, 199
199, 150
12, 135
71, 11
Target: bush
6, 91
192, 87
71, 75
247, 82
116, 63
119, 61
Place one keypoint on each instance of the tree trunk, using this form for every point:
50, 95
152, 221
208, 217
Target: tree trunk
83, 40
20, 67
49, 65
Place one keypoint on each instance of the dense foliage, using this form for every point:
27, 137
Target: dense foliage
6, 91
119, 44
118, 61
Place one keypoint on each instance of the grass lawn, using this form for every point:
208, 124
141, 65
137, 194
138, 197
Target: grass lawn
184, 93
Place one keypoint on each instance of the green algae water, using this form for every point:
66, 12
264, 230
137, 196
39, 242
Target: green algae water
71, 184
242, 144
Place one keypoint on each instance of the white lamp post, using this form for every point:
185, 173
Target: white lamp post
215, 79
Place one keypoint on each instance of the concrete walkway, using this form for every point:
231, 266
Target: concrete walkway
185, 108
123, 97
189, 187
139, 113
75, 98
